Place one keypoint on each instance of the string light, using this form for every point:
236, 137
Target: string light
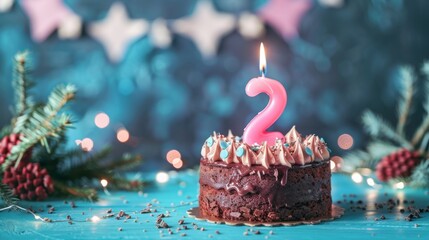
37, 217
104, 184
172, 155
345, 141
399, 185
102, 120
95, 219
87, 144
177, 163
370, 182
162, 177
357, 177
48, 220
122, 135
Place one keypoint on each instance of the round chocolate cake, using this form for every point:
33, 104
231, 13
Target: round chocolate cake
290, 181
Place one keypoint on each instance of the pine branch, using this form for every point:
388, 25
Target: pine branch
378, 128
32, 136
425, 124
92, 167
378, 149
118, 183
77, 192
21, 83
126, 162
420, 176
44, 116
406, 98
41, 123
6, 194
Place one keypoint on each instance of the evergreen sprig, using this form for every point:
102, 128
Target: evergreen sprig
42, 128
386, 139
6, 194
41, 123
423, 128
420, 176
379, 128
21, 83
406, 98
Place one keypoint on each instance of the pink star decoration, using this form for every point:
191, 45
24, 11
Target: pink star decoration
285, 15
45, 16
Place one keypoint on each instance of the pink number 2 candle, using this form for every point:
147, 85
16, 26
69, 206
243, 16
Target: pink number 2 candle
256, 129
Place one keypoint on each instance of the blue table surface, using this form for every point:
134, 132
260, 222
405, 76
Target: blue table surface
180, 194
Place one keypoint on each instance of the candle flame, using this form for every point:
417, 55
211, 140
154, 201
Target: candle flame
262, 61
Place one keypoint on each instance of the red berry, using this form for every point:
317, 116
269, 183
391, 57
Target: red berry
397, 164
29, 181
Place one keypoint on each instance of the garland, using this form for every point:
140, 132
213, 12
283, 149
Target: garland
34, 143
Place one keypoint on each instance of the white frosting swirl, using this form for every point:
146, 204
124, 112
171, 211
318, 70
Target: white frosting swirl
295, 150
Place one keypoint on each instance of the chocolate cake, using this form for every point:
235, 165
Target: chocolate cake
290, 181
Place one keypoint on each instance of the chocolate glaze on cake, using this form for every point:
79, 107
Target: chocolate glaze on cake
287, 181
234, 191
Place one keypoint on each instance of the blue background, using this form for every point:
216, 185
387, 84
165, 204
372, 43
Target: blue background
345, 61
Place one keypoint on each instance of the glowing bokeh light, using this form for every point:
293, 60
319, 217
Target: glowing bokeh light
400, 185
173, 154
345, 141
87, 144
357, 177
332, 164
122, 135
177, 163
365, 171
104, 182
370, 182
336, 162
162, 177
95, 219
101, 120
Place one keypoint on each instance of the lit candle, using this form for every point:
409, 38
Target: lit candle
256, 130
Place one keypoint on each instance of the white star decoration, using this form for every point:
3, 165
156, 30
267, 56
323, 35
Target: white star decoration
5, 5
205, 27
250, 26
117, 31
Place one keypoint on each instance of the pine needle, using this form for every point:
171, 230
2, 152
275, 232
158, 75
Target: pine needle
379, 149
41, 123
420, 176
425, 123
21, 83
406, 98
76, 192
6, 194
378, 128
